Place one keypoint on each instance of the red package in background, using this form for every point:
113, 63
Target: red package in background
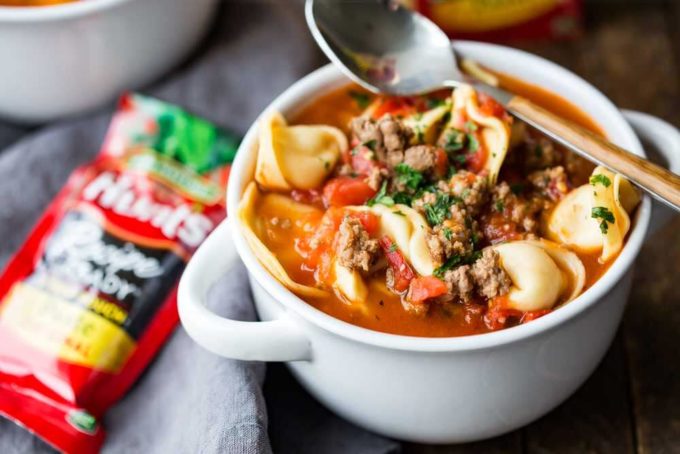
504, 20
90, 297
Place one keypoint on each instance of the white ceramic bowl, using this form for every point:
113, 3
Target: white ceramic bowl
64, 59
436, 390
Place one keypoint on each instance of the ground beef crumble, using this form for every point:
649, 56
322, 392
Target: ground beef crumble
449, 239
485, 277
388, 137
490, 278
355, 249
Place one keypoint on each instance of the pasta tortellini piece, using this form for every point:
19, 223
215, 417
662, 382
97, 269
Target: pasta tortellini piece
299, 156
408, 229
349, 284
595, 217
494, 132
543, 274
250, 228
426, 125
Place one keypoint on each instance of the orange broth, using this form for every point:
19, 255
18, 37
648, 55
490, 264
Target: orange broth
383, 311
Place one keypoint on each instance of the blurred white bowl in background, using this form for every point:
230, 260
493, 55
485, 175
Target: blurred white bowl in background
61, 60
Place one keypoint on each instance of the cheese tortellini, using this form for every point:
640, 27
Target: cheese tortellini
251, 227
299, 157
594, 217
495, 133
543, 274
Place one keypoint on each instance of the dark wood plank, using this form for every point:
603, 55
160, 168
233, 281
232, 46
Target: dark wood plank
594, 420
507, 444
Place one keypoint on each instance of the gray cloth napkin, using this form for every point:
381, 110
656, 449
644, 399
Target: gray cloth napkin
190, 400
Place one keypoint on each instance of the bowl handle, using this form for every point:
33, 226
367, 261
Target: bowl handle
665, 138
276, 340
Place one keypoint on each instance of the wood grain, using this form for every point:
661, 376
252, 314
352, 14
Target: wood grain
647, 175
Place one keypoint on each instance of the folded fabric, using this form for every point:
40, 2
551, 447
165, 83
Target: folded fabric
191, 400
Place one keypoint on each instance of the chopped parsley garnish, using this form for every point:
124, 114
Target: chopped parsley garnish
500, 206
399, 212
601, 179
455, 261
452, 171
448, 233
393, 247
454, 141
408, 175
418, 116
538, 151
606, 216
362, 99
460, 159
434, 102
517, 188
452, 262
473, 143
381, 197
355, 151
371, 144
402, 198
470, 126
438, 211
420, 135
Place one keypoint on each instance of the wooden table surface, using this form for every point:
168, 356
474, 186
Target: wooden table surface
631, 52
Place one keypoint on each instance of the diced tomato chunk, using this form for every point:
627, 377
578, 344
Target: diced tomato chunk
396, 106
441, 165
343, 191
499, 314
533, 315
363, 160
476, 160
403, 274
490, 106
368, 220
423, 288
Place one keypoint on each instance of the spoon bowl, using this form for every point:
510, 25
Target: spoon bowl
389, 49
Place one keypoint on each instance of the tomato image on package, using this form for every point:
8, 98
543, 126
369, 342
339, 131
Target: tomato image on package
90, 297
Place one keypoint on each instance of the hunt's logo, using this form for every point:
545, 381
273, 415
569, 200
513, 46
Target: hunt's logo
115, 192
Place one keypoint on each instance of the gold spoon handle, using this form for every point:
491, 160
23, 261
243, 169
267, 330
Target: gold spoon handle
659, 182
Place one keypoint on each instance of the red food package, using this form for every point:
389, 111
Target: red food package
89, 298
503, 20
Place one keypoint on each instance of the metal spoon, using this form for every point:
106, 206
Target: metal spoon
392, 50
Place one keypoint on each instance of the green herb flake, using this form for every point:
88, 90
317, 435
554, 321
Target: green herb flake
601, 179
438, 211
393, 247
433, 103
381, 197
402, 198
470, 126
455, 140
408, 175
452, 262
448, 233
362, 99
473, 143
355, 151
538, 151
605, 215
517, 188
399, 212
500, 206
371, 144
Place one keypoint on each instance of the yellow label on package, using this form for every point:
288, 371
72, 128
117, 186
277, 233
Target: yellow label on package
63, 329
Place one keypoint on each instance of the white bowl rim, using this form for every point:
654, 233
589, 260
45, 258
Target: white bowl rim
55, 12
327, 75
